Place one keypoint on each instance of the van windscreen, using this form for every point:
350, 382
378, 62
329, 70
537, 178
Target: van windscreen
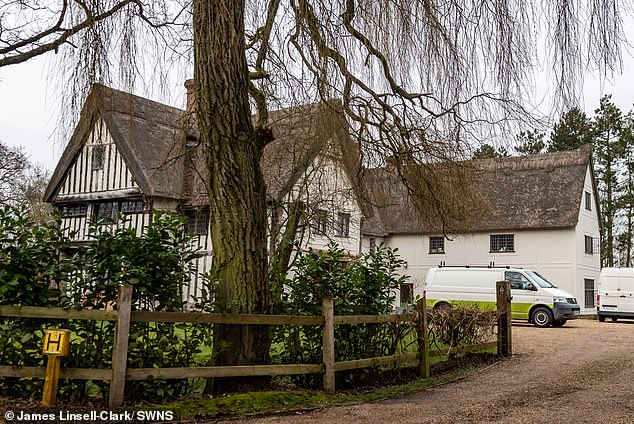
541, 281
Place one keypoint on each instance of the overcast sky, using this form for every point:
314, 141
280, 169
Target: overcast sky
28, 113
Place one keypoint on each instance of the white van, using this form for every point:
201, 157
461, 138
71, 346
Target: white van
615, 294
535, 299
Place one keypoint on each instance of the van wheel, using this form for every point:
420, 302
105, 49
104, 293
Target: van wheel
559, 322
542, 317
601, 318
615, 319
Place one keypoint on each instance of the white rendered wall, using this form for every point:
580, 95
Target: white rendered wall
559, 255
325, 185
587, 266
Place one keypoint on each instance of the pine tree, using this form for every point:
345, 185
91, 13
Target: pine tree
486, 151
609, 149
626, 204
573, 130
530, 142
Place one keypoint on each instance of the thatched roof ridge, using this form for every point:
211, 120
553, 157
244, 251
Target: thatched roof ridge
160, 145
145, 132
517, 193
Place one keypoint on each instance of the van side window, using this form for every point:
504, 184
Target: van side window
518, 281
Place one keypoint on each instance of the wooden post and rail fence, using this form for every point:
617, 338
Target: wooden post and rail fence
119, 373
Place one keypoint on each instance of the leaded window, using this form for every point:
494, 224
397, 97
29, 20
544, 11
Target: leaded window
98, 153
197, 221
106, 211
502, 243
74, 210
343, 225
132, 206
319, 221
437, 245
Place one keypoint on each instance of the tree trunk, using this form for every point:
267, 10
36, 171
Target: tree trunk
237, 193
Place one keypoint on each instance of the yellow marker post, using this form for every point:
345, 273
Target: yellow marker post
56, 345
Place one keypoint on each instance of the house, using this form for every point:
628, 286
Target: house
539, 212
129, 155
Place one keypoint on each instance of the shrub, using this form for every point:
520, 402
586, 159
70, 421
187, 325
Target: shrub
33, 270
35, 263
459, 325
363, 286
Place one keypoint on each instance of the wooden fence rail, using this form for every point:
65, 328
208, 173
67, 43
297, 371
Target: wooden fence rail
119, 373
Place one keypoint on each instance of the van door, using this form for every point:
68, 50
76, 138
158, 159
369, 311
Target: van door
626, 292
523, 292
610, 290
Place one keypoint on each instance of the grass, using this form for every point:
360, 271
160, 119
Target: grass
269, 402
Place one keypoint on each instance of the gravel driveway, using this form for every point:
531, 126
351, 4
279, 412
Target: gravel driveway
581, 373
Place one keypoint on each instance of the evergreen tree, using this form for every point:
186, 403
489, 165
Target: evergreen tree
609, 150
530, 142
486, 151
624, 240
573, 131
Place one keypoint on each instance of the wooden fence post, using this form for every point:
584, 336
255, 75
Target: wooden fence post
328, 336
423, 342
120, 348
503, 298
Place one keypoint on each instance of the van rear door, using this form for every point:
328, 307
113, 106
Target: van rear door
609, 290
523, 293
626, 291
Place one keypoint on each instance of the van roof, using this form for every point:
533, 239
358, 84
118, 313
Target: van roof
479, 266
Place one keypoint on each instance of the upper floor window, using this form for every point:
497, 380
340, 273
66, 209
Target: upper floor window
343, 225
197, 221
589, 243
436, 245
502, 243
98, 153
588, 198
319, 221
74, 210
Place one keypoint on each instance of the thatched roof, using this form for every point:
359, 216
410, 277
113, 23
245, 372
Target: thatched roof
514, 193
144, 132
160, 145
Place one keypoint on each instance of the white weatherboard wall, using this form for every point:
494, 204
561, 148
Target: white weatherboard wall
325, 185
548, 252
558, 254
588, 266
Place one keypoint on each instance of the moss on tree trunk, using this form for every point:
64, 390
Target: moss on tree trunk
237, 192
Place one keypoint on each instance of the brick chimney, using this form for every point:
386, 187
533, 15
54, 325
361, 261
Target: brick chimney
189, 86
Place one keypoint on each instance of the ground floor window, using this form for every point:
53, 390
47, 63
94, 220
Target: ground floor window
106, 212
590, 293
197, 221
70, 211
109, 212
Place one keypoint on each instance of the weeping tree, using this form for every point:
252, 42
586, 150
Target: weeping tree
419, 81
